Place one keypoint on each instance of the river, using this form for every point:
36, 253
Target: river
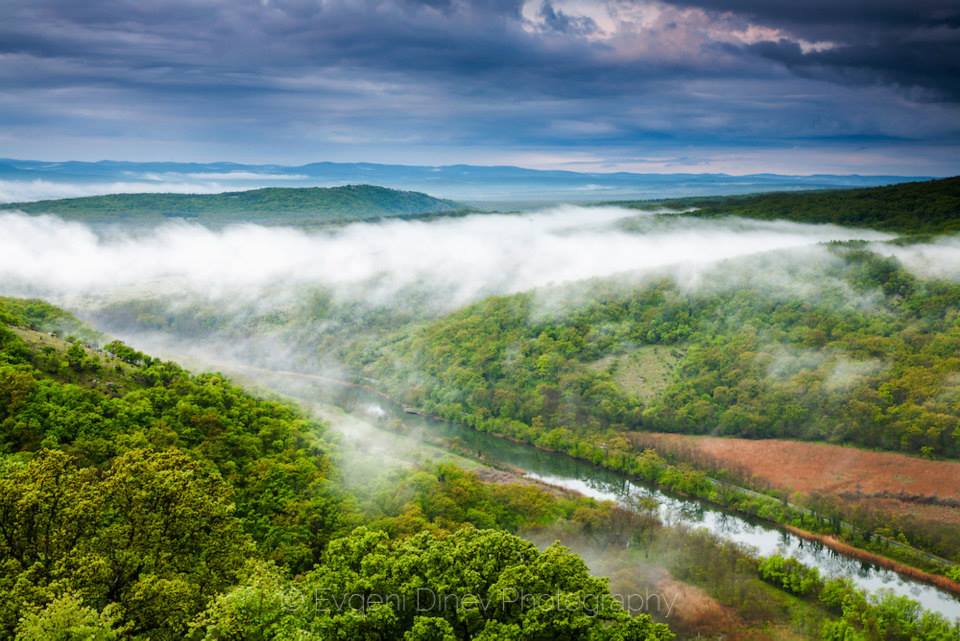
380, 427
565, 472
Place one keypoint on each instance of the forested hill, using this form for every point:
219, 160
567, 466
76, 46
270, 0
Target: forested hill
909, 208
871, 359
281, 205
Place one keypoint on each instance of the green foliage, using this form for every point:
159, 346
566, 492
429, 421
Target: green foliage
861, 616
430, 629
138, 501
755, 361
870, 361
447, 497
28, 313
141, 488
278, 205
910, 208
261, 607
272, 457
789, 574
880, 617
67, 619
127, 354
151, 527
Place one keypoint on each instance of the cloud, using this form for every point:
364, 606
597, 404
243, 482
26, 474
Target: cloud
15, 191
914, 45
212, 182
937, 259
244, 176
556, 20
398, 80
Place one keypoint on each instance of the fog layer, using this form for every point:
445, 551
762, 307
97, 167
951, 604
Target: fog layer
456, 259
20, 191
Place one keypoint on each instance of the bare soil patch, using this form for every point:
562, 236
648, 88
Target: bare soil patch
880, 480
821, 467
692, 608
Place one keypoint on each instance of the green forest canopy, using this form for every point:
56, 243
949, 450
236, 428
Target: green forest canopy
870, 360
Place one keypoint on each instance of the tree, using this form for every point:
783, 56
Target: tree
167, 538
473, 581
154, 533
263, 606
68, 619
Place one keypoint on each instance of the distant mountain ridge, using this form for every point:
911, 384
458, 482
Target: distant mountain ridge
461, 182
286, 205
349, 169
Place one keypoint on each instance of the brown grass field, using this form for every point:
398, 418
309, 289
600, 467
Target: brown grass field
885, 481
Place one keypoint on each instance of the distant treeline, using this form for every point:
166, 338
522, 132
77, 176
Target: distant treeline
931, 207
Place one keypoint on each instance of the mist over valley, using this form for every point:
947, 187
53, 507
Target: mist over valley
463, 320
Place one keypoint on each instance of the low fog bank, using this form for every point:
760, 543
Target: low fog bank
936, 259
286, 298
20, 191
457, 260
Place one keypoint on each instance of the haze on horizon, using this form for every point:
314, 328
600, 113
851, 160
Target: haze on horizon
735, 86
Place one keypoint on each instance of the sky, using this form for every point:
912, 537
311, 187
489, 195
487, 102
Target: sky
736, 86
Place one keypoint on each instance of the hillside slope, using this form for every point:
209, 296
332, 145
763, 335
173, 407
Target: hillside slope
867, 357
870, 359
303, 205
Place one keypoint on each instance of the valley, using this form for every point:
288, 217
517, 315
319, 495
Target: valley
479, 320
656, 391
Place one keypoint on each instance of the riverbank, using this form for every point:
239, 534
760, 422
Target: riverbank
508, 475
614, 451
717, 552
601, 454
936, 580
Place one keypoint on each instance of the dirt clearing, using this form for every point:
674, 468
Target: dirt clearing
881, 480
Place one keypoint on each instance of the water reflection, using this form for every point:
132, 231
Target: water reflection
765, 539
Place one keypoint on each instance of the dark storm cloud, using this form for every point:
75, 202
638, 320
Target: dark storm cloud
931, 66
596, 80
830, 15
474, 46
912, 44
